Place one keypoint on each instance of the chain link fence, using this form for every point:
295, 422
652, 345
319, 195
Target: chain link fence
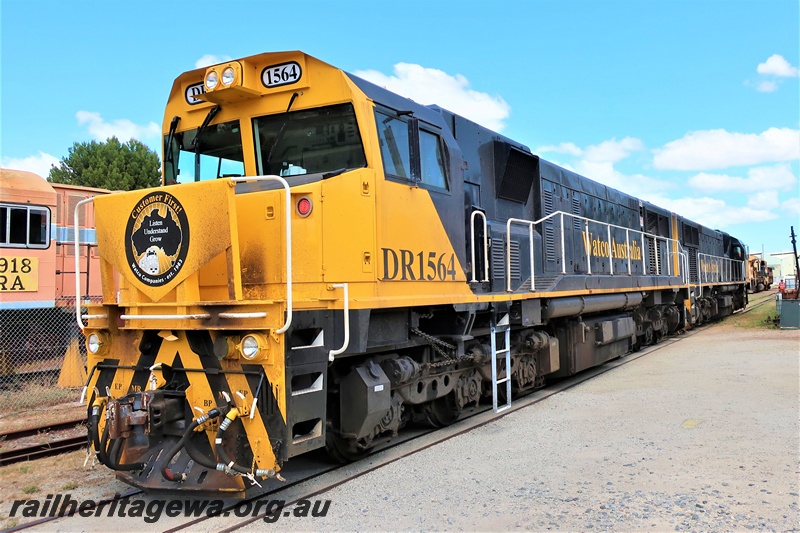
42, 356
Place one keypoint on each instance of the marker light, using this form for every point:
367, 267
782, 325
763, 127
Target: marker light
304, 206
228, 75
212, 79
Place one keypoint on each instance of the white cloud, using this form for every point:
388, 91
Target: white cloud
777, 65
563, 148
210, 59
432, 86
638, 185
613, 150
122, 129
38, 164
763, 200
597, 161
777, 177
792, 206
715, 213
767, 87
710, 149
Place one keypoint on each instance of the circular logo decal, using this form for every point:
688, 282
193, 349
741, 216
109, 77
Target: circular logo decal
157, 239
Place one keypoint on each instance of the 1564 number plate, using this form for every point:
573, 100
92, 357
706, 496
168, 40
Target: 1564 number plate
283, 74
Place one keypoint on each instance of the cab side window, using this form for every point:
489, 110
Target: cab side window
411, 152
431, 160
393, 136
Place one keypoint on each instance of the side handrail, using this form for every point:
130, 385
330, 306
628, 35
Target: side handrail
288, 224
532, 223
724, 270
485, 245
346, 343
77, 243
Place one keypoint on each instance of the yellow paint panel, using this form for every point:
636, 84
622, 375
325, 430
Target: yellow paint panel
208, 207
349, 227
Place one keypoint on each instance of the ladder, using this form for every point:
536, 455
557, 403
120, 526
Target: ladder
503, 327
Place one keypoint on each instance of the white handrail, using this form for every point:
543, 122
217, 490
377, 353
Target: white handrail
532, 223
485, 245
288, 210
346, 342
195, 316
77, 242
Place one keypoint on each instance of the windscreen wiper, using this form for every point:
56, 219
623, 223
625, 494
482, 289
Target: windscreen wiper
172, 127
279, 136
196, 141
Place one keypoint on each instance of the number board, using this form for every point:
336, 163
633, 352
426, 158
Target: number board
281, 74
19, 274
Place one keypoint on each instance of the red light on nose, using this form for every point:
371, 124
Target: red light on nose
304, 206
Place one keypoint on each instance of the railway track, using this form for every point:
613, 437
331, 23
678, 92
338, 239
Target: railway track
305, 470
315, 475
51, 446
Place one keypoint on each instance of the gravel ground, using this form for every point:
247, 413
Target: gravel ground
700, 435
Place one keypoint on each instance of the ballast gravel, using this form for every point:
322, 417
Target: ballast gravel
699, 435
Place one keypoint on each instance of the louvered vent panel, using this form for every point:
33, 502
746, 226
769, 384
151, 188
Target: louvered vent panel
576, 210
499, 260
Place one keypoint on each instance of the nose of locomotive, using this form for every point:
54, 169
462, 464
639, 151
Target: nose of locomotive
157, 238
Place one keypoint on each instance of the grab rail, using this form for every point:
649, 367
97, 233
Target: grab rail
346, 341
716, 269
532, 223
485, 245
288, 213
77, 241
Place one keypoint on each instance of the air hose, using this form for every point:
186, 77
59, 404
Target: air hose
225, 463
181, 476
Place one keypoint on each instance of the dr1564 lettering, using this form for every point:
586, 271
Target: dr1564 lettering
406, 265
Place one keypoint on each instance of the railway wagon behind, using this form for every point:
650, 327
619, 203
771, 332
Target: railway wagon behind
37, 267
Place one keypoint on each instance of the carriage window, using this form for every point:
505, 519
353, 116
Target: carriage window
24, 226
410, 152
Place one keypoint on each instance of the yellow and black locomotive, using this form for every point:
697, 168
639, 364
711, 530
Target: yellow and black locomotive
328, 261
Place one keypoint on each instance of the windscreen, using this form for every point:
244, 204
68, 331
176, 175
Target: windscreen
308, 141
217, 153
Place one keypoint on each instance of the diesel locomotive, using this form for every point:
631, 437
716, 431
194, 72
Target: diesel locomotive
327, 262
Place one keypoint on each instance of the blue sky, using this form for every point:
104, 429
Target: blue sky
693, 105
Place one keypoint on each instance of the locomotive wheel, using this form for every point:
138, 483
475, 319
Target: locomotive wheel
343, 450
442, 411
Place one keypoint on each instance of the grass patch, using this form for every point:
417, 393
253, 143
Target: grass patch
31, 489
761, 317
70, 486
38, 393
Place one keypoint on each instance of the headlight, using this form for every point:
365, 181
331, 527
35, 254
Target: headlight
212, 78
228, 76
95, 342
250, 347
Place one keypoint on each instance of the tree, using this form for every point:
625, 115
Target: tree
109, 165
